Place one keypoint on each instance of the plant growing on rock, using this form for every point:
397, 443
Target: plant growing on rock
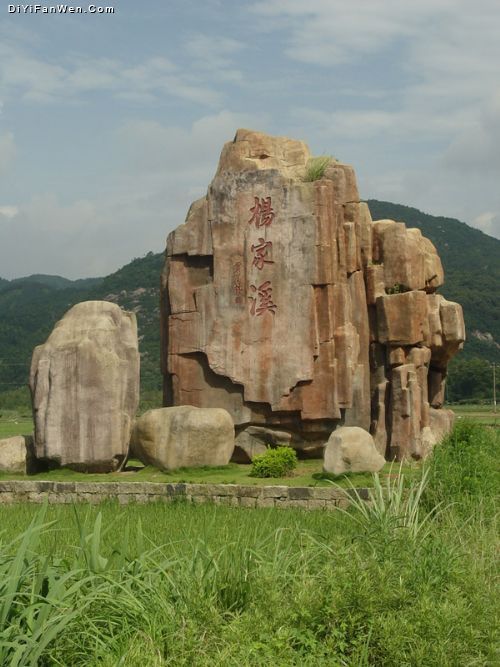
397, 288
316, 166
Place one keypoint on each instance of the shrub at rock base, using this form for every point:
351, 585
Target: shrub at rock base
277, 462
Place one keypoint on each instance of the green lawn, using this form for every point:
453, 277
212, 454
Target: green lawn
234, 473
15, 426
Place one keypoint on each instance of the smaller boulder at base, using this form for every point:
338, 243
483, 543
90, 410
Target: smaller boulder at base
351, 449
183, 437
16, 454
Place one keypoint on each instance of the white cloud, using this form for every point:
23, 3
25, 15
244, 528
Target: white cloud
330, 32
485, 222
211, 52
447, 50
214, 56
479, 145
36, 80
9, 211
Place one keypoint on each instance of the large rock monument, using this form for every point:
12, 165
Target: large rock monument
84, 383
283, 303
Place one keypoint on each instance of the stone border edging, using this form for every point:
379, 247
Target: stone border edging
13, 491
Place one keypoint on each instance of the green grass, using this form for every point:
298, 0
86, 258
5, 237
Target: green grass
233, 473
15, 425
399, 582
307, 473
482, 414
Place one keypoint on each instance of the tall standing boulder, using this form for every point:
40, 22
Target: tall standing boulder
284, 303
84, 384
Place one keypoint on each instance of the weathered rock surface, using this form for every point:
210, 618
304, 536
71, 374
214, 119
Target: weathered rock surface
16, 454
285, 304
84, 384
256, 440
351, 449
183, 436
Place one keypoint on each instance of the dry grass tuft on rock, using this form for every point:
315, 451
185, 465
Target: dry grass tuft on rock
316, 167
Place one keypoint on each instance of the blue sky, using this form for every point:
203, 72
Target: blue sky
110, 125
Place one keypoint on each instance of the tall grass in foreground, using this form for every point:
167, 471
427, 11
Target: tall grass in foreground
391, 584
393, 505
465, 469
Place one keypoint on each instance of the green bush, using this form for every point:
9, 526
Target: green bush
274, 463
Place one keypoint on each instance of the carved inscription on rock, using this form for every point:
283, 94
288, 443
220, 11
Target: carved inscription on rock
262, 212
261, 296
295, 327
237, 281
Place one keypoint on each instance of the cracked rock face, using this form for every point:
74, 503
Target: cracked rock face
84, 384
284, 303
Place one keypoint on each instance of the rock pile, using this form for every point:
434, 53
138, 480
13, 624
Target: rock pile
283, 303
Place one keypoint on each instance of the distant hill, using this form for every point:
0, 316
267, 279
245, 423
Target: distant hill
56, 282
29, 307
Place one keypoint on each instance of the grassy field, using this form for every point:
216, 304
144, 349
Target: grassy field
15, 426
482, 414
409, 580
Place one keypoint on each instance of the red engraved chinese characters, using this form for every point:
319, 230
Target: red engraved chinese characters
262, 212
263, 301
261, 251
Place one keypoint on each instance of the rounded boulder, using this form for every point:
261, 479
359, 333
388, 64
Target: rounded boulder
183, 436
351, 449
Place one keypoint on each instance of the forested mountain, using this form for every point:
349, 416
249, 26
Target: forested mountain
57, 282
29, 307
